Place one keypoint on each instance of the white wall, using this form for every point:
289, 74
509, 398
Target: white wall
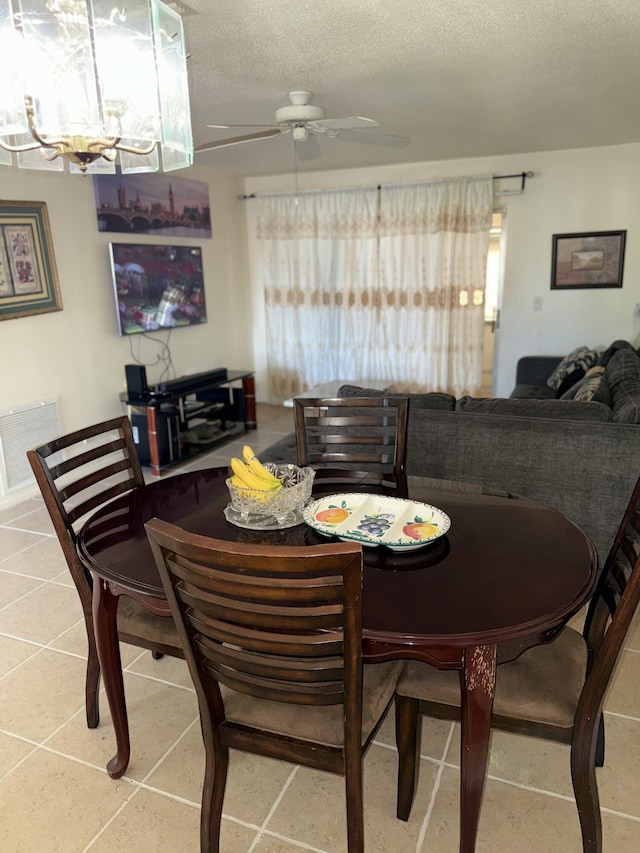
595, 189
76, 354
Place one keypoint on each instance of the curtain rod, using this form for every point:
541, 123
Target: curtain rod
522, 175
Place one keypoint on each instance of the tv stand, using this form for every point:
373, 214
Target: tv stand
182, 417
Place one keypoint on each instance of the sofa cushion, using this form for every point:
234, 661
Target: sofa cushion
624, 364
605, 357
564, 409
430, 400
594, 387
533, 392
626, 402
580, 357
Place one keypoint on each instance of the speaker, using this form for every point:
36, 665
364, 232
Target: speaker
136, 380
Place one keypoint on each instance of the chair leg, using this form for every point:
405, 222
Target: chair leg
355, 816
583, 777
157, 655
408, 721
600, 743
92, 681
215, 781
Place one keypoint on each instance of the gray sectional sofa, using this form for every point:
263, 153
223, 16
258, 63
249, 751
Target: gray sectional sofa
574, 456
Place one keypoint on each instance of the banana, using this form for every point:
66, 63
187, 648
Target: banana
253, 493
250, 480
256, 467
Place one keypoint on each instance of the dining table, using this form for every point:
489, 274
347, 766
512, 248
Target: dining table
507, 575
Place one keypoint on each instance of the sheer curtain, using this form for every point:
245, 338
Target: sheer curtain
319, 250
377, 284
434, 240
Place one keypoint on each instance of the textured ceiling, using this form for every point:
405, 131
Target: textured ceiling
462, 78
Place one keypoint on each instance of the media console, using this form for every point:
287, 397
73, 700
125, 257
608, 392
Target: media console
188, 415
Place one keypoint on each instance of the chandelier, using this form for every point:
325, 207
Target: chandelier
86, 81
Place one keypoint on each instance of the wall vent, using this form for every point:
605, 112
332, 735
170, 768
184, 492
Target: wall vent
21, 429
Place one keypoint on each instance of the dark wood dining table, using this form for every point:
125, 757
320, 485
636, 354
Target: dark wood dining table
507, 575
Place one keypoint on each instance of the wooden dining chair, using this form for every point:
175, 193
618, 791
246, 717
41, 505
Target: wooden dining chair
554, 691
78, 473
273, 639
353, 441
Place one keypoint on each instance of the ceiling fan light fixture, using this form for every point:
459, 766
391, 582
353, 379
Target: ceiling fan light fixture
86, 80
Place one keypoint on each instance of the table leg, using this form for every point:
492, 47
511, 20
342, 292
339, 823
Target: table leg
249, 391
478, 679
105, 605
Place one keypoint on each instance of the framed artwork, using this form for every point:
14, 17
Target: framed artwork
159, 204
28, 276
594, 259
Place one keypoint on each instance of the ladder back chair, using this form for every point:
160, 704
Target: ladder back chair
554, 691
352, 441
273, 639
78, 473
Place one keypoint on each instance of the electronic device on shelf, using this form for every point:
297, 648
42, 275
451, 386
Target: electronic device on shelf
193, 383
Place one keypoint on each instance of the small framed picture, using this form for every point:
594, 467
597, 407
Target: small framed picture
595, 259
28, 277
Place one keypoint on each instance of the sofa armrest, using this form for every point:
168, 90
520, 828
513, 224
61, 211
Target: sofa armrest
536, 369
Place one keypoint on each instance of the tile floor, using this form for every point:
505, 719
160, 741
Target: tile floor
56, 796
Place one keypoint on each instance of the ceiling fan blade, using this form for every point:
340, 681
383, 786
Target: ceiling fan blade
229, 126
348, 123
236, 140
387, 139
308, 149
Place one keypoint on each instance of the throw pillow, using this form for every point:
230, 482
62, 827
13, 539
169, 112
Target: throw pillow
580, 357
569, 381
594, 387
572, 393
611, 350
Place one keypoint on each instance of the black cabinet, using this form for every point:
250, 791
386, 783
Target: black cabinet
188, 416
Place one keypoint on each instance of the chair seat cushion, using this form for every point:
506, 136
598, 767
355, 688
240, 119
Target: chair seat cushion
322, 724
543, 685
136, 621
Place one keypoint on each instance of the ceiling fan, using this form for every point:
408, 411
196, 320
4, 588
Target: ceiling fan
304, 121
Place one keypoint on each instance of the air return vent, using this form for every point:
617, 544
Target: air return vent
21, 429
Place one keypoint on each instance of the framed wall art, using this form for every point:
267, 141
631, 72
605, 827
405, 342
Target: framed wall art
594, 259
28, 276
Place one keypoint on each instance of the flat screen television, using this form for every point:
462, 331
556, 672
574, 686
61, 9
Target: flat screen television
157, 287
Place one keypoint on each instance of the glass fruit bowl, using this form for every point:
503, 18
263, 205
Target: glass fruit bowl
271, 510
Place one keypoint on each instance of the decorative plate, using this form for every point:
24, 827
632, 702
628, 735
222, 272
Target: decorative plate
398, 523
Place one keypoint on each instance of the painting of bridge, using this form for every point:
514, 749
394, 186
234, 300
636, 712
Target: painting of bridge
158, 203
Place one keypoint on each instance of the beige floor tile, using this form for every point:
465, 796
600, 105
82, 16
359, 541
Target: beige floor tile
42, 614
619, 779
51, 804
74, 641
12, 751
620, 835
633, 637
173, 670
12, 587
270, 844
9, 513
41, 694
312, 809
13, 541
512, 819
14, 652
624, 693
253, 782
152, 823
434, 735
44, 559
158, 714
37, 519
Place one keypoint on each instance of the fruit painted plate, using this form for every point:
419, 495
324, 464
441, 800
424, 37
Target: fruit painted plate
398, 523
